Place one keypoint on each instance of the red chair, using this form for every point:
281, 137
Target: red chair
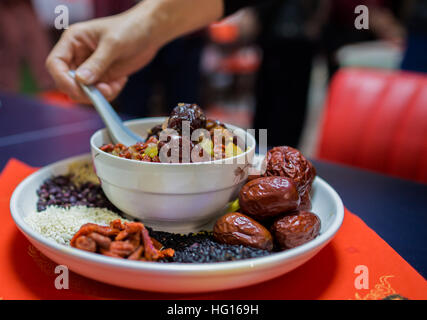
377, 120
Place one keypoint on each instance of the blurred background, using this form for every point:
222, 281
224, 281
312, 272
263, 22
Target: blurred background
299, 68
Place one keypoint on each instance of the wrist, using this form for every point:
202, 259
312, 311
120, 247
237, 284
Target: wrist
161, 21
142, 22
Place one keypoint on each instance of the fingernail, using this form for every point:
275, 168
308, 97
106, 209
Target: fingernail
85, 75
108, 92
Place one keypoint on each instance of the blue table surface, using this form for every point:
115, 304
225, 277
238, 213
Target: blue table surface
396, 209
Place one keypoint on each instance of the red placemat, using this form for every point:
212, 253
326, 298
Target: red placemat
25, 273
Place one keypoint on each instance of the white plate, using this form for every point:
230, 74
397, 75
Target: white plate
174, 277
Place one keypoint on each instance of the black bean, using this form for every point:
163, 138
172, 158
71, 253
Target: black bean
61, 191
53, 190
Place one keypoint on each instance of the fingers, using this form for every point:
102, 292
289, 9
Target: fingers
111, 90
97, 64
58, 64
81, 53
86, 47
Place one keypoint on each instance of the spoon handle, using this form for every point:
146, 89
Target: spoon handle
117, 130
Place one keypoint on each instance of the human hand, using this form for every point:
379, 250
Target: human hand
106, 51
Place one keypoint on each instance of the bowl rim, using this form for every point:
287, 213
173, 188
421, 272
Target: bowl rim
136, 121
180, 268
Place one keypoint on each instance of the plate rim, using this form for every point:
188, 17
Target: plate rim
181, 268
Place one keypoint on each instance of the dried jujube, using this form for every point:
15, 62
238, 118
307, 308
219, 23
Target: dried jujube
295, 229
237, 229
267, 197
187, 112
289, 162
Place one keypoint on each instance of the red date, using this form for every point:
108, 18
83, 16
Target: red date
296, 229
289, 162
267, 197
236, 228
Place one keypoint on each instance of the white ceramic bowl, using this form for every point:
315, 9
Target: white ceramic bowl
174, 277
170, 196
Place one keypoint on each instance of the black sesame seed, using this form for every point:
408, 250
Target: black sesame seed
202, 248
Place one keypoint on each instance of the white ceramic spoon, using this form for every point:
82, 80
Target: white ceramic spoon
116, 129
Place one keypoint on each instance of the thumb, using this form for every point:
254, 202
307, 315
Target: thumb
96, 65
